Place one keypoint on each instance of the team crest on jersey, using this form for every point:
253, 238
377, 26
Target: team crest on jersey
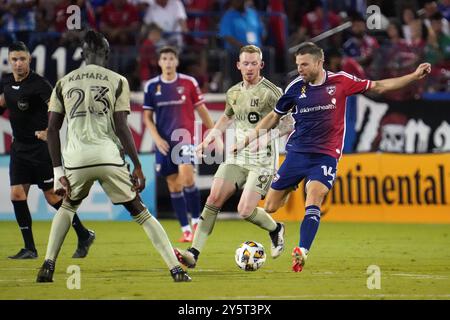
180, 90
158, 90
331, 90
303, 92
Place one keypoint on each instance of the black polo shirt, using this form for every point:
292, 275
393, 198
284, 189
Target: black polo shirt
27, 103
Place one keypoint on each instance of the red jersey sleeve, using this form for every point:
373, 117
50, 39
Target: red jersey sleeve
354, 85
196, 93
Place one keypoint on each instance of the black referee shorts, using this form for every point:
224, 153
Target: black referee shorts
30, 163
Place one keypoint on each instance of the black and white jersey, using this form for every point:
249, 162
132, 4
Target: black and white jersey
27, 103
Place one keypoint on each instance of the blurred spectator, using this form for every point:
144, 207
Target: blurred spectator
241, 25
438, 42
148, 53
18, 18
277, 36
408, 16
444, 8
72, 37
98, 6
196, 64
316, 22
430, 8
120, 22
418, 35
396, 58
45, 13
198, 20
170, 16
360, 46
336, 61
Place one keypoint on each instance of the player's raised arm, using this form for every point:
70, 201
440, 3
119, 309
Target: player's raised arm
382, 86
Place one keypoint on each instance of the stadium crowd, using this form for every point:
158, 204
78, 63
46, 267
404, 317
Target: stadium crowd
209, 34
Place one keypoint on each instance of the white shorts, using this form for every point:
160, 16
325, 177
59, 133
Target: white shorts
116, 181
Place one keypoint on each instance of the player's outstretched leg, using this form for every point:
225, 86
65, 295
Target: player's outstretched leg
308, 230
192, 196
299, 256
263, 220
85, 236
206, 223
60, 226
179, 205
159, 238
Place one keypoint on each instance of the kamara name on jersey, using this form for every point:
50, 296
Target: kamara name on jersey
89, 75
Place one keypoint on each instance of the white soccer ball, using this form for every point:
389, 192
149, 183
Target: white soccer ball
250, 256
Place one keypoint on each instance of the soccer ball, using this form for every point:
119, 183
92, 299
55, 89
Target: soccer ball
250, 256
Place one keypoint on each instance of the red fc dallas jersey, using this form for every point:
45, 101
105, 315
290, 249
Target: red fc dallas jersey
319, 112
174, 103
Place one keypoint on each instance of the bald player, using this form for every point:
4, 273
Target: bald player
96, 102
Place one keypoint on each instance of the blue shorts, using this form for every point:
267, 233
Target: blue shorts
180, 154
298, 166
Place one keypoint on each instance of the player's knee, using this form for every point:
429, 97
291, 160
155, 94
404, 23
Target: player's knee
175, 187
135, 206
214, 199
271, 206
187, 181
245, 210
51, 198
17, 195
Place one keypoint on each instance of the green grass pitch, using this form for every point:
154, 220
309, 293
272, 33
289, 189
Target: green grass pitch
414, 262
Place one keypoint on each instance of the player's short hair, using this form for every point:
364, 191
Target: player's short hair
96, 42
310, 48
168, 49
251, 49
18, 46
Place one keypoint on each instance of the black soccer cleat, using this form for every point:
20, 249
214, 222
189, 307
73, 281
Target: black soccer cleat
45, 274
25, 253
179, 275
83, 246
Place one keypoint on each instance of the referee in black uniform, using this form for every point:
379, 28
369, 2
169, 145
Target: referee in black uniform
26, 95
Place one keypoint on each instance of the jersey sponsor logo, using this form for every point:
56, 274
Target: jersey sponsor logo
253, 117
317, 108
331, 90
254, 103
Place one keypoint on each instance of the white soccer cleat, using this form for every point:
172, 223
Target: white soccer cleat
277, 239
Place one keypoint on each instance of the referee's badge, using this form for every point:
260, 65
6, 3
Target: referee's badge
331, 90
